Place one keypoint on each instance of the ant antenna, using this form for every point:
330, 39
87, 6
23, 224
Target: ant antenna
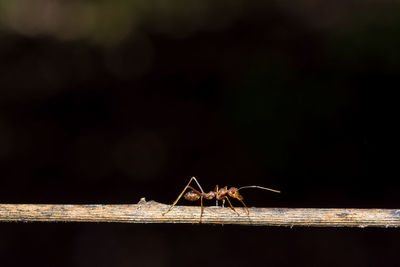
260, 187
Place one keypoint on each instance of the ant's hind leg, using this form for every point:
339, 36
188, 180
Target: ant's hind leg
183, 191
202, 208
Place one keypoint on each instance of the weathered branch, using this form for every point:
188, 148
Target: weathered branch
151, 212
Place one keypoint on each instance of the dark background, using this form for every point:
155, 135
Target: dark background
110, 101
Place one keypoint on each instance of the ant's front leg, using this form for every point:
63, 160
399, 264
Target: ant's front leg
231, 205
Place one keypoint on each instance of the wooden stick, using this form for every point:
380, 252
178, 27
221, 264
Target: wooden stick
151, 212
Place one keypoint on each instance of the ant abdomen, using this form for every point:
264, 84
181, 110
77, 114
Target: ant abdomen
191, 196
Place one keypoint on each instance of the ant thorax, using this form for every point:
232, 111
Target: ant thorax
209, 195
221, 193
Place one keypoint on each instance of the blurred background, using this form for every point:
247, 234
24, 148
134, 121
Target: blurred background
109, 101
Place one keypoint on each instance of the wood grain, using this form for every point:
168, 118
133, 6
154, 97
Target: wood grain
151, 212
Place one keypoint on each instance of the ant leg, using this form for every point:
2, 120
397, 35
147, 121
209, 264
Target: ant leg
201, 189
216, 200
179, 197
248, 212
196, 191
231, 205
201, 204
223, 200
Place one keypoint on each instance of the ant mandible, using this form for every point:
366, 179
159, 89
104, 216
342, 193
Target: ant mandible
218, 194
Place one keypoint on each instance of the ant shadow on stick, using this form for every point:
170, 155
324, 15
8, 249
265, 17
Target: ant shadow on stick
218, 193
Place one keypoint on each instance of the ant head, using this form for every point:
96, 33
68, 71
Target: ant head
234, 192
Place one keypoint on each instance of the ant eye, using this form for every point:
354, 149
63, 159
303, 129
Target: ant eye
233, 190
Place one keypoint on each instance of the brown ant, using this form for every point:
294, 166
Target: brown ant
218, 194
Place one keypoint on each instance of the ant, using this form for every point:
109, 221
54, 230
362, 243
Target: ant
218, 194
